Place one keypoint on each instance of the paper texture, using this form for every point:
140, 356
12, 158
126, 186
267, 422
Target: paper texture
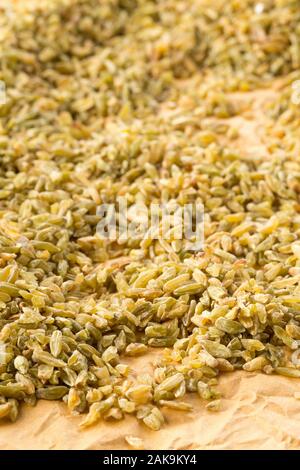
258, 412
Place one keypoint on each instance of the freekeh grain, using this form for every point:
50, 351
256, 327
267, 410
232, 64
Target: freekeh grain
106, 112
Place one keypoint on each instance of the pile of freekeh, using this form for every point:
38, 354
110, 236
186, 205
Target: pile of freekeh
105, 99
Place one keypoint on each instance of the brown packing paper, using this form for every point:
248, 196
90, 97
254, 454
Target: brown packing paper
258, 411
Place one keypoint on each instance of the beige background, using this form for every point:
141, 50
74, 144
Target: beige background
258, 412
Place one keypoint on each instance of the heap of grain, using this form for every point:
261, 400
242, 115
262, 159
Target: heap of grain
108, 99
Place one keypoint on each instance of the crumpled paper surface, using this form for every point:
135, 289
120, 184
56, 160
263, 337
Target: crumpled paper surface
258, 412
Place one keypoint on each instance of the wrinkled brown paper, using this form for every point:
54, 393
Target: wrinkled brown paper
258, 412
